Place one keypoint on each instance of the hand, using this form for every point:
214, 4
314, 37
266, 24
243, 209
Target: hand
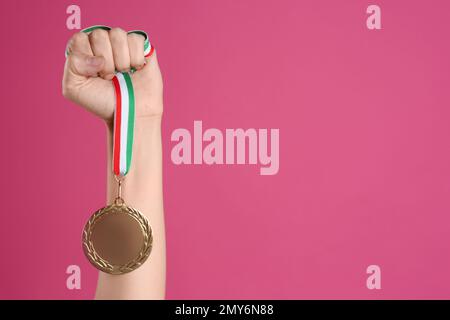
91, 64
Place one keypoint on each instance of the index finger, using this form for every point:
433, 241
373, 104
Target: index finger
79, 42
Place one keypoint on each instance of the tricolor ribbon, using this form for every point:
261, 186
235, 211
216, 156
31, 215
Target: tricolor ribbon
125, 110
123, 123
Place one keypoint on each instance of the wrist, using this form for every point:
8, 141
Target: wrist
146, 158
142, 124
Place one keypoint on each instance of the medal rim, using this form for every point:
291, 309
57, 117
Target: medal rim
102, 264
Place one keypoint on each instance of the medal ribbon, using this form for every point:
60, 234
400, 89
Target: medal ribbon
125, 109
123, 123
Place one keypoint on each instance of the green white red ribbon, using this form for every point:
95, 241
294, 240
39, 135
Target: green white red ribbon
125, 110
123, 123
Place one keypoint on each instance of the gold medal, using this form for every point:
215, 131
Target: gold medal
117, 239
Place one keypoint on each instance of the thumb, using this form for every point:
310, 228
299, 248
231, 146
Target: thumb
85, 65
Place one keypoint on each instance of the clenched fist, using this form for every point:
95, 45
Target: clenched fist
91, 64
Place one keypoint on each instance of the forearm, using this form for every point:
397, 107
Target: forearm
142, 189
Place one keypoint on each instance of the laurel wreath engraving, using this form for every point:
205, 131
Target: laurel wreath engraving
101, 263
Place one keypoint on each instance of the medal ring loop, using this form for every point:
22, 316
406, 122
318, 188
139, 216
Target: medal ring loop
119, 201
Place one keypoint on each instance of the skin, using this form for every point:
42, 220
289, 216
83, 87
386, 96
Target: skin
87, 81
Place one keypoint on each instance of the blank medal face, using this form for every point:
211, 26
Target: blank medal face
117, 239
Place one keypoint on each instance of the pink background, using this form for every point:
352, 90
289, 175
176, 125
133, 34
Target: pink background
364, 148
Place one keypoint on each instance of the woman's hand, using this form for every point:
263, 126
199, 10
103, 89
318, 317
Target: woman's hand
91, 64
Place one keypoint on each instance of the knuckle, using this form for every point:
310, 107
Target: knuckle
76, 39
79, 36
136, 37
117, 34
98, 34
